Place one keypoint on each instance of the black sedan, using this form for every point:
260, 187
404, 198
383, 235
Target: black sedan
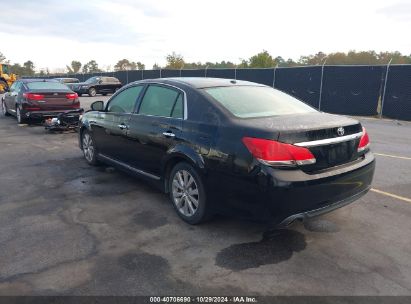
227, 146
96, 85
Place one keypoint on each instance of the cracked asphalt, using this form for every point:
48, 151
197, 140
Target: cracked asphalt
70, 229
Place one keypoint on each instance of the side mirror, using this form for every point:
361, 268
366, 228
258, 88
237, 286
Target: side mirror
97, 106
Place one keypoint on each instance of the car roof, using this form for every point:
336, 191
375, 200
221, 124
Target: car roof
205, 82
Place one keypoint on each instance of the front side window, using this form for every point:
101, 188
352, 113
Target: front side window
256, 101
125, 101
92, 80
161, 101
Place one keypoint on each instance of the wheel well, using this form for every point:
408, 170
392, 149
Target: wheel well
170, 165
80, 136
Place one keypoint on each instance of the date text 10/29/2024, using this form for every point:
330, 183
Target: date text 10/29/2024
175, 299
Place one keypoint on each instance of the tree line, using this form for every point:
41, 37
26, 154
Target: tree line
261, 60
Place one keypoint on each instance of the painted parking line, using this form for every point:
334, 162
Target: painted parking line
405, 199
393, 156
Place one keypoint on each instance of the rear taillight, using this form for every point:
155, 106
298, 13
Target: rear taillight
364, 141
275, 153
71, 95
33, 96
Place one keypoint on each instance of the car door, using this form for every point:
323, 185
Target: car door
105, 85
11, 98
156, 127
110, 127
98, 84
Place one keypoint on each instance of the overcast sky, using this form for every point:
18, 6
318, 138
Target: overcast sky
52, 33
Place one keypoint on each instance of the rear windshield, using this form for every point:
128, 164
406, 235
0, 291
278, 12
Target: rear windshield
253, 101
46, 85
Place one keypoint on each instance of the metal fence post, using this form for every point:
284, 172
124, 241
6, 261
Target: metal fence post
235, 73
205, 72
275, 69
142, 74
385, 87
160, 72
321, 84
181, 70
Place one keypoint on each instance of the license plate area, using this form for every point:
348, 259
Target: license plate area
328, 156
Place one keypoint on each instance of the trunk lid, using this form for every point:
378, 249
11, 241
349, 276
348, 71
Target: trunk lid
53, 100
332, 139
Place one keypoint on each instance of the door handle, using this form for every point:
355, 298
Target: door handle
122, 126
169, 134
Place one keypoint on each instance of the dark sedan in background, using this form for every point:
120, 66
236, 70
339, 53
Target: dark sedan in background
227, 146
67, 80
96, 85
38, 99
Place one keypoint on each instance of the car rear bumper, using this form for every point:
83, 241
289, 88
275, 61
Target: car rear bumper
328, 208
281, 196
46, 114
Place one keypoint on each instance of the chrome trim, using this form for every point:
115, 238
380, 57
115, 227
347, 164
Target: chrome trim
138, 171
169, 134
363, 148
286, 163
327, 141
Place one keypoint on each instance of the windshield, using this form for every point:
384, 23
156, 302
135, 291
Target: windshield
92, 80
46, 85
255, 101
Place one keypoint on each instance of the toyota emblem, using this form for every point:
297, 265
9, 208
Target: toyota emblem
340, 131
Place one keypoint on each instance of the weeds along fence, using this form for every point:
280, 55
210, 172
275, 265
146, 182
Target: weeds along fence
364, 90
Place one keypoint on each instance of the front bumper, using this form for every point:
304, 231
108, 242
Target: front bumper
80, 90
281, 196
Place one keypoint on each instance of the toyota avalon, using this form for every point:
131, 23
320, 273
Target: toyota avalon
229, 146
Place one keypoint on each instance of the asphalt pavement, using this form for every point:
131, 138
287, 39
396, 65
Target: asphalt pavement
67, 228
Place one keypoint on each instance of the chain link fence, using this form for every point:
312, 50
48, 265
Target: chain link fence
363, 90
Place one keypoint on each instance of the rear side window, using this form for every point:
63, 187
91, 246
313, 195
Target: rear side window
161, 101
112, 79
125, 101
46, 85
255, 101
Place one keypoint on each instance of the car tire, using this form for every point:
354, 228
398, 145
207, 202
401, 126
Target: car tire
188, 195
79, 94
92, 92
20, 116
4, 108
89, 148
104, 94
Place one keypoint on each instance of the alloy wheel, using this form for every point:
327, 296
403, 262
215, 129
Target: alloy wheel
88, 147
185, 193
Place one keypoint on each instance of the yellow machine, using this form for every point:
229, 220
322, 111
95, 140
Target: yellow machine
6, 79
